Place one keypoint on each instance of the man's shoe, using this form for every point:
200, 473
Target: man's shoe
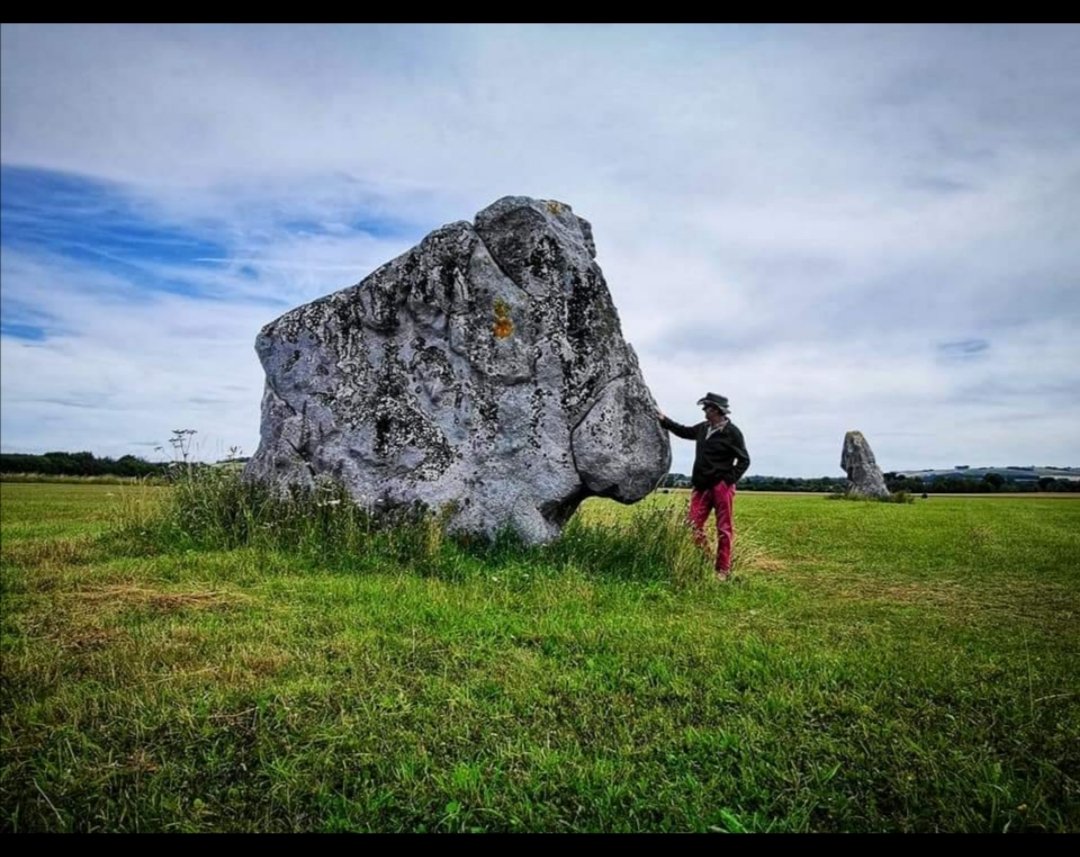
722, 576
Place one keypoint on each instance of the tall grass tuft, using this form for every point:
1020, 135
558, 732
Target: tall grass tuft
648, 544
216, 509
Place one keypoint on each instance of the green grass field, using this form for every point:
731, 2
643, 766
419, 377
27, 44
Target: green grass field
871, 667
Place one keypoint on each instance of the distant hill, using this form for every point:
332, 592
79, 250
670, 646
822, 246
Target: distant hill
1011, 473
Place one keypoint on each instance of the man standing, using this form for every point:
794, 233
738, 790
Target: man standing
720, 461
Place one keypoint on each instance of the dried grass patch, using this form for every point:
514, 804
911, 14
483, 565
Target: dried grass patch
766, 563
129, 596
38, 553
87, 638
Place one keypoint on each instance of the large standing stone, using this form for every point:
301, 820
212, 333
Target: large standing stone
483, 372
864, 475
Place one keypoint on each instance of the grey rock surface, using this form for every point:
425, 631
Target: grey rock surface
864, 475
482, 373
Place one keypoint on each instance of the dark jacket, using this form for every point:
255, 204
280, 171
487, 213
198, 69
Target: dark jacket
721, 458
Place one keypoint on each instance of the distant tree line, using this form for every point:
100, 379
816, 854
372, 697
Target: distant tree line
988, 484
79, 464
823, 484
820, 484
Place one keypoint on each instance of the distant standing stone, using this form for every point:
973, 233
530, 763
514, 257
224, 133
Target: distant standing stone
864, 475
483, 373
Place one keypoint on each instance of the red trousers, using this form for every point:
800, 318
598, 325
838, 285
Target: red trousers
720, 497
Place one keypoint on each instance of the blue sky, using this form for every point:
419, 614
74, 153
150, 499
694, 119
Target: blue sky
838, 227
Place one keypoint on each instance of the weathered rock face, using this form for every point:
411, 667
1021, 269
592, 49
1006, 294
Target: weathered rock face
864, 475
482, 372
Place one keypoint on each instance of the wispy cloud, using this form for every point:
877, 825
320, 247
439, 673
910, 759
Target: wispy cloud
964, 349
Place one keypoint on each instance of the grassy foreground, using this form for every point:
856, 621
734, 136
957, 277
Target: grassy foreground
872, 667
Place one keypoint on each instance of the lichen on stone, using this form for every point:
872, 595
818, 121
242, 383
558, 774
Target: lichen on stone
503, 326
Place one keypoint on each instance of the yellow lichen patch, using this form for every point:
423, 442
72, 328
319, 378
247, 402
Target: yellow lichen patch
554, 207
503, 326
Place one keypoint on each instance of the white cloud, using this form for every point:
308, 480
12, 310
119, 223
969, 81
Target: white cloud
794, 216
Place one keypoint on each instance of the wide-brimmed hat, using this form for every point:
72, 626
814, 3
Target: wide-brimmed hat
719, 401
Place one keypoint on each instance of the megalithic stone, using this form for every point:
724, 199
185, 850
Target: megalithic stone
864, 475
483, 373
